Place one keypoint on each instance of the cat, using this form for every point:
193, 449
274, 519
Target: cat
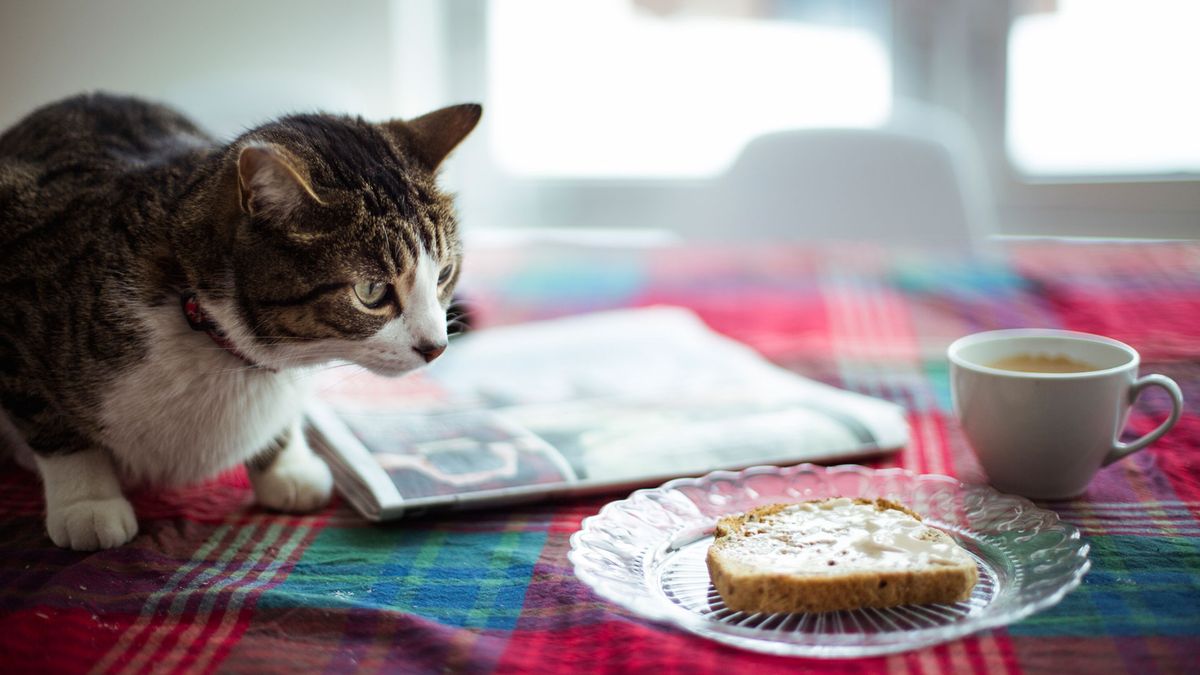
162, 294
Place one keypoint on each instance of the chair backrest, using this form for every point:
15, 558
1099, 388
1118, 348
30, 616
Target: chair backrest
915, 182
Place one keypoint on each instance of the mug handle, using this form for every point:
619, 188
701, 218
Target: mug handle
1122, 450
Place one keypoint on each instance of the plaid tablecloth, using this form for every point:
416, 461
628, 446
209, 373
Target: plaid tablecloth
214, 583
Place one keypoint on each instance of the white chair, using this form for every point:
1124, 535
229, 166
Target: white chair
918, 180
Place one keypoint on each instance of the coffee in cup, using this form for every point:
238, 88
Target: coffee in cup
1042, 363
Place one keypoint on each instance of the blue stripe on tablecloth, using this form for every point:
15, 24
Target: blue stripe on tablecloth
1138, 585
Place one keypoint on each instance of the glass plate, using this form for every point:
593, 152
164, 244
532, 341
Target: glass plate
646, 553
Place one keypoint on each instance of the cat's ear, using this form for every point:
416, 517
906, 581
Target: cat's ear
434, 135
268, 182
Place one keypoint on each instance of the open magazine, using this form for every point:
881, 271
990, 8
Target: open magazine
580, 405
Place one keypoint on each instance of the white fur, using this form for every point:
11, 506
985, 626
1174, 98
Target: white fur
296, 481
190, 409
391, 351
187, 412
85, 509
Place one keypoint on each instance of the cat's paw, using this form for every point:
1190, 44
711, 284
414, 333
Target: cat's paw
92, 524
295, 484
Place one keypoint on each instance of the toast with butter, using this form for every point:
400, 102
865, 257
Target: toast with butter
834, 554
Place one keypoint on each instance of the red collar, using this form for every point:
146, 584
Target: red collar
198, 321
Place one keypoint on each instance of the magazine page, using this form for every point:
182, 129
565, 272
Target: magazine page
610, 399
390, 461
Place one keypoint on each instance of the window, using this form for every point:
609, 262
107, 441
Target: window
1105, 87
614, 88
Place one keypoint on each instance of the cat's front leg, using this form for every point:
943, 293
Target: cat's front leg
85, 508
287, 476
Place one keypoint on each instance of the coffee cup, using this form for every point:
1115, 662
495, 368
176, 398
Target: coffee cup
1044, 409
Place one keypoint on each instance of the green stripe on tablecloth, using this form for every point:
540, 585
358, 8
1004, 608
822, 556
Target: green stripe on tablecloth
202, 583
1135, 588
463, 579
937, 373
200, 555
494, 586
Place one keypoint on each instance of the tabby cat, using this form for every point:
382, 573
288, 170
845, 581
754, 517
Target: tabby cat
161, 294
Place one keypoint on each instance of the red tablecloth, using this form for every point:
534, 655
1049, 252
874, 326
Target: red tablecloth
213, 583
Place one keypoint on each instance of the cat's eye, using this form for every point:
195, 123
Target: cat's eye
371, 293
445, 274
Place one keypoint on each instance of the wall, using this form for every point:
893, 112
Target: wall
228, 64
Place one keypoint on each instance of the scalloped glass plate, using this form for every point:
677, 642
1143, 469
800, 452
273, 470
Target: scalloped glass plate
646, 553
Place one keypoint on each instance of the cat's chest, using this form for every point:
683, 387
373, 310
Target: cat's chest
190, 410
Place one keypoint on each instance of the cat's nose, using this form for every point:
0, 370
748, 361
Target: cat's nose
430, 350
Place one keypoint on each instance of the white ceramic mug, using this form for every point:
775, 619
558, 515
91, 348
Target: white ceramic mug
1044, 435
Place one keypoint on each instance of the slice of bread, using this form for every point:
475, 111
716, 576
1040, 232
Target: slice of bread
832, 554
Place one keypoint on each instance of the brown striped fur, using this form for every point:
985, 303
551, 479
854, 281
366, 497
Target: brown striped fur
111, 207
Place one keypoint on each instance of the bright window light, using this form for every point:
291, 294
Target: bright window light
1105, 87
593, 88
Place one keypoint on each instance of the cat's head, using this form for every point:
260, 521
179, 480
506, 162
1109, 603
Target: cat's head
343, 248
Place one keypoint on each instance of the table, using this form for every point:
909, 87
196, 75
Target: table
214, 583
